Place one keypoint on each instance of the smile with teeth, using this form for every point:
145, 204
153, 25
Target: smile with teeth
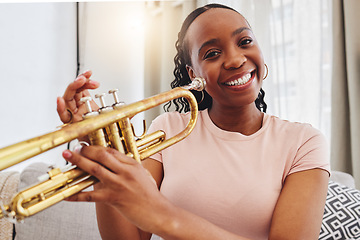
240, 81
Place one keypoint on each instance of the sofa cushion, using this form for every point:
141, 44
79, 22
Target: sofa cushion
64, 220
9, 182
342, 213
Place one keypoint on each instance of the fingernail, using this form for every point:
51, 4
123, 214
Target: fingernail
79, 78
67, 154
93, 82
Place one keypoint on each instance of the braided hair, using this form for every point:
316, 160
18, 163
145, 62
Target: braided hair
182, 58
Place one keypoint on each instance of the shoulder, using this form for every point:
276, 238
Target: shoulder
174, 117
295, 129
170, 121
297, 136
305, 145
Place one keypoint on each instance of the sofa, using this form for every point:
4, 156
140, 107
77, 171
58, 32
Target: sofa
74, 220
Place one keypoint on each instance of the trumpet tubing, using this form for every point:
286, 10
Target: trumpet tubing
110, 128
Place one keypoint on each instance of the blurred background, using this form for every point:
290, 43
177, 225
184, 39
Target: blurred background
129, 45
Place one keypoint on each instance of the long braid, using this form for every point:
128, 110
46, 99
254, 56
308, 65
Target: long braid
181, 79
259, 102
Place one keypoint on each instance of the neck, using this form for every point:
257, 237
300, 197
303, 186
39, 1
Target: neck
246, 119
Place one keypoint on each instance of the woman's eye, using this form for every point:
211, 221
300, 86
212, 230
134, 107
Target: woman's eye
211, 54
245, 42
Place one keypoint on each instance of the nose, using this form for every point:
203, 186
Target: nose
234, 59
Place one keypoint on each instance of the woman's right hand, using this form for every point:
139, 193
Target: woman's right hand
69, 106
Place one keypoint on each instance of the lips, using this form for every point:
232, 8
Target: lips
242, 81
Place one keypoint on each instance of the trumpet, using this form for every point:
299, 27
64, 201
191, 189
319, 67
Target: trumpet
108, 127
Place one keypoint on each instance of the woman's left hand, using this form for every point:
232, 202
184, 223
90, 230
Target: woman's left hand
125, 184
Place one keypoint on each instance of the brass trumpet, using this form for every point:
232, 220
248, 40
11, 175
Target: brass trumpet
108, 127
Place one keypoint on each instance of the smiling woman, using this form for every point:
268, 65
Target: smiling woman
241, 174
257, 180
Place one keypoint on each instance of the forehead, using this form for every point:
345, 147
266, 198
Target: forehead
214, 22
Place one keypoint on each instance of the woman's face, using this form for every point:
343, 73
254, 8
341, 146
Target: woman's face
224, 51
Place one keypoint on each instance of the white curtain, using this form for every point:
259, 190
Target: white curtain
295, 37
345, 151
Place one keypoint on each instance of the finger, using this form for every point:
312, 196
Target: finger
88, 165
79, 95
87, 73
79, 104
72, 88
108, 157
151, 178
71, 91
90, 196
81, 83
90, 84
64, 115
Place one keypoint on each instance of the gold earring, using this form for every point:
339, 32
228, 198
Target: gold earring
267, 71
202, 97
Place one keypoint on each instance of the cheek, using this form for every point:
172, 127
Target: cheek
209, 70
208, 73
259, 61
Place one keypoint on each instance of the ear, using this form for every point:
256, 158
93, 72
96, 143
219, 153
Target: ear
191, 72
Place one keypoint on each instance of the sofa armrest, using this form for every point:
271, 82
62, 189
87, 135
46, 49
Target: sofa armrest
342, 178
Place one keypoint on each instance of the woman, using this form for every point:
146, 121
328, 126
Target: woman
241, 174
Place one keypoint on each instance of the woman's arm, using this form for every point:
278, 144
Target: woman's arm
300, 207
298, 213
112, 225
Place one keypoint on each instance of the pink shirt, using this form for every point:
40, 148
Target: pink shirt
233, 180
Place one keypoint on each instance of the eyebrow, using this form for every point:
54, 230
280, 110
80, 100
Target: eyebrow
240, 30
214, 40
209, 42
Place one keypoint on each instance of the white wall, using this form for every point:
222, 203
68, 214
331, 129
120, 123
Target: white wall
112, 46
38, 60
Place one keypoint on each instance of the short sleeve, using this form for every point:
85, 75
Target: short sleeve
171, 123
312, 153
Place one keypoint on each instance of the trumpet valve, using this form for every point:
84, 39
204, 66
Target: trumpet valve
117, 102
104, 107
101, 97
86, 101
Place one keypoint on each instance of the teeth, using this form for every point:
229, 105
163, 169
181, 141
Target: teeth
240, 81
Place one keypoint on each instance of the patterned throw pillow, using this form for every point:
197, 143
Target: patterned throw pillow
342, 213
